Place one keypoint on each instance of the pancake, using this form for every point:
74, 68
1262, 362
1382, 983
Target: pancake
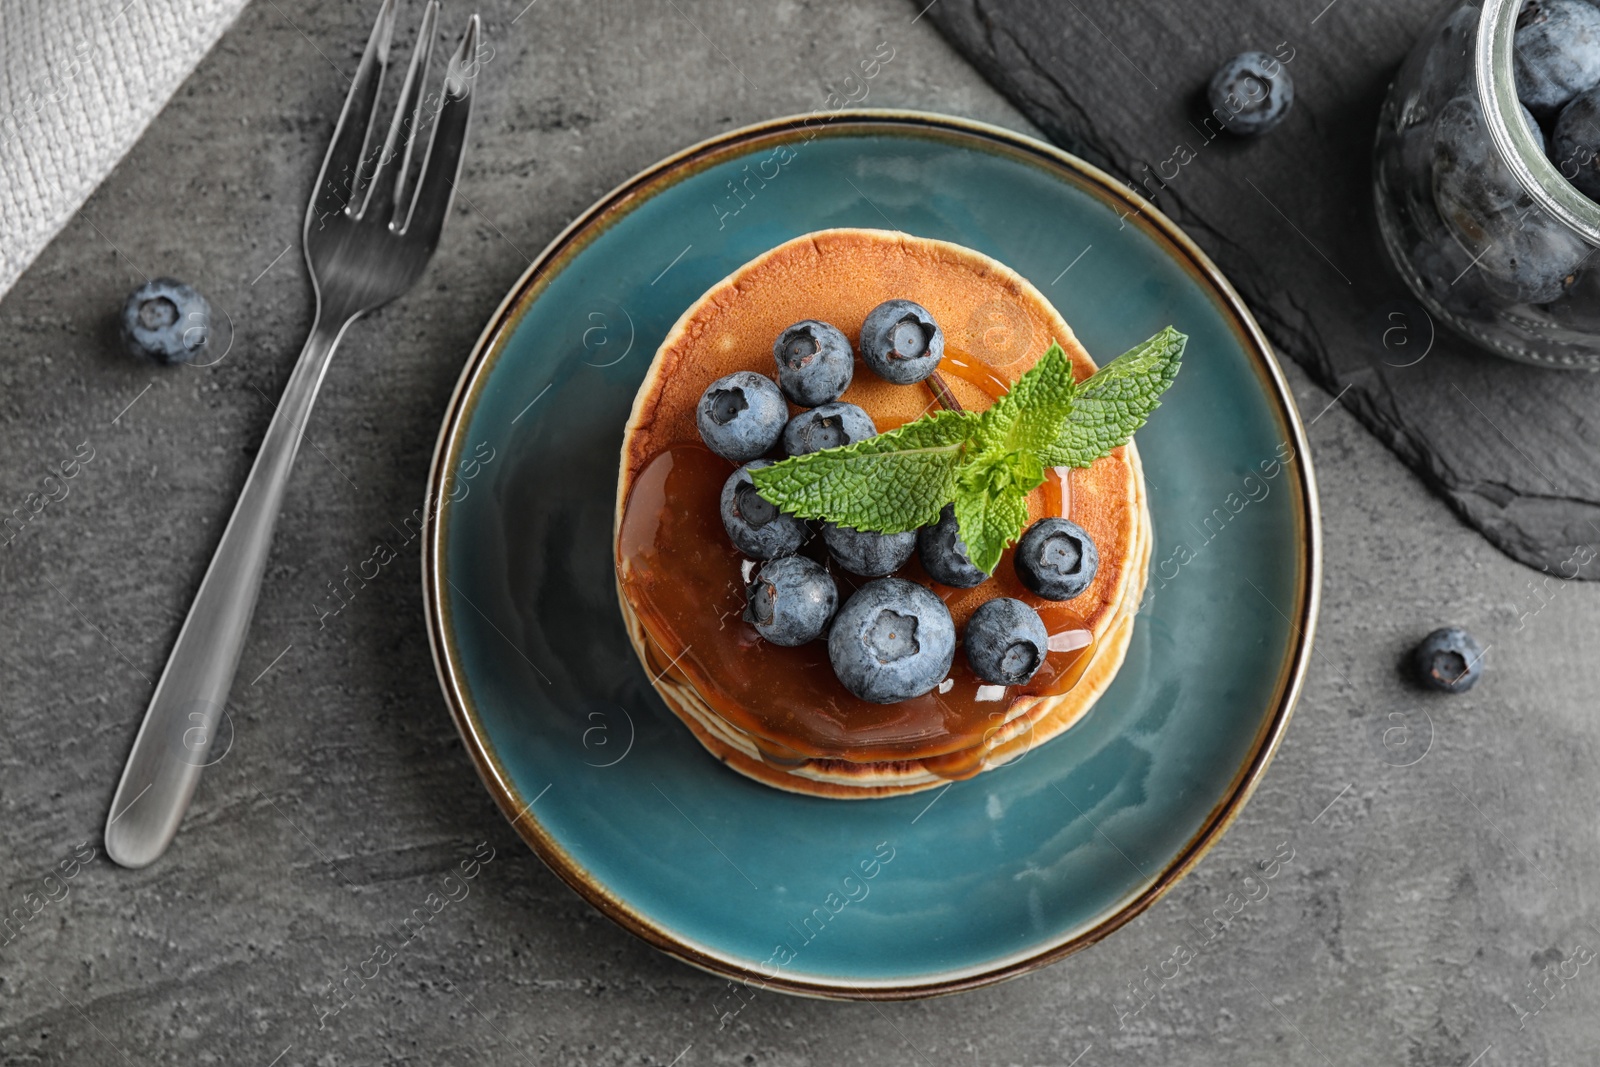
676, 573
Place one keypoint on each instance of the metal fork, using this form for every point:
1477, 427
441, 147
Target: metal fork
366, 242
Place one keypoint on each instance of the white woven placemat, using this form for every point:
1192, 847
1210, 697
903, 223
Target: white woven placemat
79, 82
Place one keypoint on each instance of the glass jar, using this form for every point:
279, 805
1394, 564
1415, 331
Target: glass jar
1486, 231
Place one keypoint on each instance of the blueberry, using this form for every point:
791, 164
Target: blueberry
1006, 641
827, 426
755, 526
1449, 659
1445, 270
1056, 559
1250, 93
892, 640
1446, 61
1521, 255
1576, 143
815, 362
944, 554
791, 600
167, 321
1556, 52
866, 552
901, 342
1539, 266
1467, 170
741, 416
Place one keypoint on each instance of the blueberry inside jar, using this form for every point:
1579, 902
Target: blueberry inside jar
1485, 173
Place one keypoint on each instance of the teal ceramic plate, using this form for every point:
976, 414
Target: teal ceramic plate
921, 894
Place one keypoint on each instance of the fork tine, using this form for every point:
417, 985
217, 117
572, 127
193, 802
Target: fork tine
336, 182
441, 166
381, 193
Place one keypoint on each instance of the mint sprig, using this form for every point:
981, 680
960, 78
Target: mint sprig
891, 483
986, 464
1114, 401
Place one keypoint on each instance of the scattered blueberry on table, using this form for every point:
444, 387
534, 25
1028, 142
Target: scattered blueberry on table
867, 552
791, 600
1006, 641
827, 426
167, 321
1056, 559
892, 640
1556, 52
901, 342
1449, 660
755, 526
1250, 93
944, 554
741, 416
815, 363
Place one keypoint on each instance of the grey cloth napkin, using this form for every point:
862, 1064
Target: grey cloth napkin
79, 82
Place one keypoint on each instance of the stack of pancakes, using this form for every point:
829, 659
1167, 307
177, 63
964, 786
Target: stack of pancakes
992, 318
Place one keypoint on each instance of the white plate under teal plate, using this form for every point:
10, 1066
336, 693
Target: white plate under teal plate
984, 879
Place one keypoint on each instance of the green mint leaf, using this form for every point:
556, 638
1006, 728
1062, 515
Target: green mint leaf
1109, 405
890, 483
990, 521
993, 472
1030, 415
986, 464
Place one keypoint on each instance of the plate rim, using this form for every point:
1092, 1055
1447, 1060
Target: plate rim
595, 220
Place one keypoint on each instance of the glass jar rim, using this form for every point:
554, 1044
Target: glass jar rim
1497, 92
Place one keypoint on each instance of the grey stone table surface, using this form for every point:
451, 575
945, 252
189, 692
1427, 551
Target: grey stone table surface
1438, 908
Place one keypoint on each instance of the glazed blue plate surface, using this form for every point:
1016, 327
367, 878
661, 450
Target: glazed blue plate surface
935, 891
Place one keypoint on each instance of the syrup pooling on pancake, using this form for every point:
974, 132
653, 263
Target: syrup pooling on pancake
685, 581
974, 373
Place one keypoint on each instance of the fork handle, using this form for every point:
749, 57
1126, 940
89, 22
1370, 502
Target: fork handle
173, 743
